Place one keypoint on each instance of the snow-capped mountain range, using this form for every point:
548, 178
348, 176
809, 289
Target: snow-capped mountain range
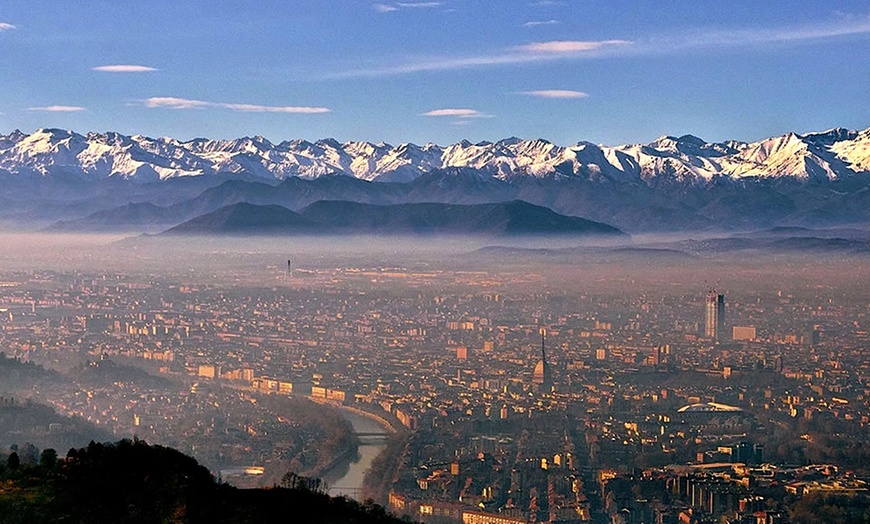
830, 155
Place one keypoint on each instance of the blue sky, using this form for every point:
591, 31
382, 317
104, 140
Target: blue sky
608, 71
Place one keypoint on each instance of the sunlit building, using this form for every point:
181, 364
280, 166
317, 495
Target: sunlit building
744, 333
714, 308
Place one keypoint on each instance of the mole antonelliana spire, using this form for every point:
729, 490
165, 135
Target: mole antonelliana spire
543, 376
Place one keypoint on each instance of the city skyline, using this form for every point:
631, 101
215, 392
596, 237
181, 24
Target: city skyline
472, 387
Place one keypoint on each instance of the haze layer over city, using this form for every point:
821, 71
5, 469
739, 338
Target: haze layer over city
209, 346
481, 269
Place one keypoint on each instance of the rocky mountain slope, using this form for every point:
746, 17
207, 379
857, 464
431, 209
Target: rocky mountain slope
65, 154
110, 182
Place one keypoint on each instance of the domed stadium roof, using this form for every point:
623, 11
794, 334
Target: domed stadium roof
709, 407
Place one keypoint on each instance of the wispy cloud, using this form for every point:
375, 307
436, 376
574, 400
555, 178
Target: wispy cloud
570, 46
123, 68
723, 38
186, 103
388, 8
538, 23
555, 93
57, 109
457, 113
700, 40
176, 103
536, 52
6, 27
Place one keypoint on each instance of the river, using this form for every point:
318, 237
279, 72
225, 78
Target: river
347, 480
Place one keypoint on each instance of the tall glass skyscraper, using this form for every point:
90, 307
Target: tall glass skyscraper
714, 328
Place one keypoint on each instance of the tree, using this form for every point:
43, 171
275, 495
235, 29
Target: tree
293, 481
29, 454
13, 461
48, 458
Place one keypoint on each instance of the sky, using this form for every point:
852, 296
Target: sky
608, 71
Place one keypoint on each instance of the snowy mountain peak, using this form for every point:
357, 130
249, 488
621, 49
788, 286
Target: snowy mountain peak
831, 136
826, 155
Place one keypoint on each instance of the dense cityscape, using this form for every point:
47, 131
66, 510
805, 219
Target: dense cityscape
503, 395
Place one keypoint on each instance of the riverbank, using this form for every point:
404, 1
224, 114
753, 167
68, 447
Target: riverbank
347, 456
381, 474
370, 474
390, 423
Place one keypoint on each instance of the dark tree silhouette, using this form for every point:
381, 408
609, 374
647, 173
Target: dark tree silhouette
293, 481
132, 482
13, 461
48, 458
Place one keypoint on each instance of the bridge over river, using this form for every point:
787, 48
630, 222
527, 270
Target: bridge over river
348, 480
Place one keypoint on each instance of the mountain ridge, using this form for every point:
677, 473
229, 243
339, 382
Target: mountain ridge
335, 217
816, 156
68, 182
